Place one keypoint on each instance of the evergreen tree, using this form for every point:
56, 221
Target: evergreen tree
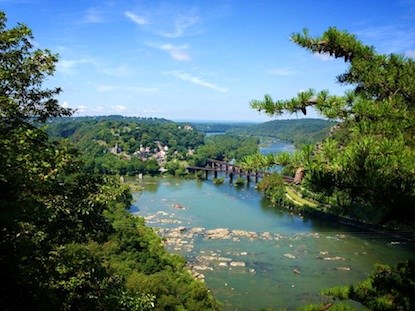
369, 156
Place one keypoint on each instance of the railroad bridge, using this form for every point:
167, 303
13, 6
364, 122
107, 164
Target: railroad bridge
231, 170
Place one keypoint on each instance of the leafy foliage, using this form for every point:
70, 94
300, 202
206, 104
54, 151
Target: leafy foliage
224, 148
129, 135
386, 289
186, 146
137, 254
369, 157
22, 72
95, 137
273, 187
68, 241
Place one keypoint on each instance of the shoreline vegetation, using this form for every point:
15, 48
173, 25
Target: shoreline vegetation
296, 203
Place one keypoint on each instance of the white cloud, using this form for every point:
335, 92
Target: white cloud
67, 66
389, 39
119, 108
93, 16
283, 71
139, 20
121, 71
325, 57
182, 24
98, 109
410, 53
102, 88
176, 52
141, 89
70, 66
167, 20
106, 88
196, 80
84, 110
81, 108
150, 112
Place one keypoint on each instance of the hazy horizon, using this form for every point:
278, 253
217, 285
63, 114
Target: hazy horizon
179, 120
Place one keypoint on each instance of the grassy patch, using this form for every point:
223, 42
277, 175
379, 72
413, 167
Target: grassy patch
293, 196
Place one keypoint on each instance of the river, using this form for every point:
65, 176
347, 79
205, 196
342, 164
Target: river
254, 255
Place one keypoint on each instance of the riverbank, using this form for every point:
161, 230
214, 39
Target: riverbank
294, 202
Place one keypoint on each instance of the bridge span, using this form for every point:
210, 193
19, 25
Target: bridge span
231, 170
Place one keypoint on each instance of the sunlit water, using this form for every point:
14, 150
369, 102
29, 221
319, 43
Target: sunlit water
277, 146
269, 258
289, 260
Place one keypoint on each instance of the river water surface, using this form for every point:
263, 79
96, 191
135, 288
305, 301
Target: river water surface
254, 255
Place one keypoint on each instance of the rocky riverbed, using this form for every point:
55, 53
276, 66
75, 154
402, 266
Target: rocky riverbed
255, 255
181, 239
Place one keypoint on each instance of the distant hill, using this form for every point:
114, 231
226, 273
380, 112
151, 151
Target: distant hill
219, 127
298, 131
67, 126
114, 117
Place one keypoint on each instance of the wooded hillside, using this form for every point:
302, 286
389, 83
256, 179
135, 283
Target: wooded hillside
298, 131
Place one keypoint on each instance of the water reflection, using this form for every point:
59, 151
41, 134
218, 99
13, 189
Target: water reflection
151, 185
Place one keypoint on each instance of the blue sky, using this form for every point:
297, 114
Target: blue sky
199, 59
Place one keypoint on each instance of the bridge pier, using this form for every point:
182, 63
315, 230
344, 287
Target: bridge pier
231, 178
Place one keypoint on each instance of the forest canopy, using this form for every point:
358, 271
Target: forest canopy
298, 131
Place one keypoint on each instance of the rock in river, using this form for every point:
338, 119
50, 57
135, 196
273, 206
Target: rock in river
220, 233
